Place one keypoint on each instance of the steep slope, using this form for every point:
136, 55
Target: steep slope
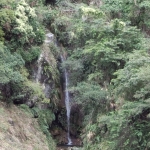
19, 131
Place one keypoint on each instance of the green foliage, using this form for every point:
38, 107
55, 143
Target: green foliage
21, 26
10, 65
34, 90
132, 81
38, 30
51, 72
48, 15
6, 18
121, 130
54, 50
23, 29
26, 109
30, 54
101, 45
35, 3
22, 33
108, 67
4, 3
134, 11
1, 35
107, 63
92, 97
76, 66
45, 118
10, 76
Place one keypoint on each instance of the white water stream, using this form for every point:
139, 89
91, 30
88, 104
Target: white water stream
67, 103
48, 40
39, 71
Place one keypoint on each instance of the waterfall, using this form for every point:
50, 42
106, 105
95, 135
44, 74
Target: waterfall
67, 103
68, 107
49, 38
39, 71
46, 88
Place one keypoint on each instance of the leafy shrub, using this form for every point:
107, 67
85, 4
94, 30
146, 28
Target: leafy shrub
30, 54
45, 118
1, 35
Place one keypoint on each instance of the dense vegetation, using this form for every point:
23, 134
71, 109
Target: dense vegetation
108, 59
107, 48
21, 36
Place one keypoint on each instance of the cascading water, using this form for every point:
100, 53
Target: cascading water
68, 108
44, 56
39, 72
67, 103
48, 40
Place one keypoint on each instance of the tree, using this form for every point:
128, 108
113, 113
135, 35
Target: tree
132, 82
10, 65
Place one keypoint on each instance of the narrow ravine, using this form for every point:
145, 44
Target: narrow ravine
67, 135
50, 39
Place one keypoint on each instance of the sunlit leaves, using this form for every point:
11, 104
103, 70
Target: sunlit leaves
89, 11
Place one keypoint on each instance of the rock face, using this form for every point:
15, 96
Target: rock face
19, 131
58, 128
76, 119
45, 75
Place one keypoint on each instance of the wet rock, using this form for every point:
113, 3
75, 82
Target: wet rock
76, 119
